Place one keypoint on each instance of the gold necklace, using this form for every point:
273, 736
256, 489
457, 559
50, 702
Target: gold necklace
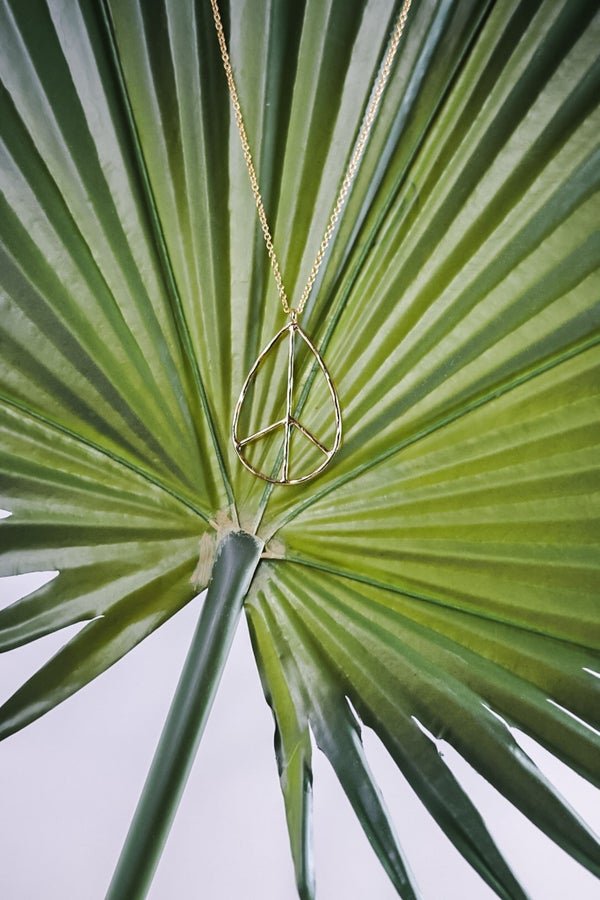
292, 329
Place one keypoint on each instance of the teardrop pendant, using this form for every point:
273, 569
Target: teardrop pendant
282, 473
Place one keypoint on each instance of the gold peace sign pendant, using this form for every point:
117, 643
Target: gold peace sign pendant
283, 473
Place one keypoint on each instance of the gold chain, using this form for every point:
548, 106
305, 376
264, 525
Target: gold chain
359, 148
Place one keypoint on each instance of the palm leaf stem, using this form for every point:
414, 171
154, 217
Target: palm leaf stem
235, 563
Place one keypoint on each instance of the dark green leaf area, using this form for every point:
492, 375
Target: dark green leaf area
132, 616
393, 670
431, 779
317, 700
90, 337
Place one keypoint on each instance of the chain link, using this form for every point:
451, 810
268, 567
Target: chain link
351, 171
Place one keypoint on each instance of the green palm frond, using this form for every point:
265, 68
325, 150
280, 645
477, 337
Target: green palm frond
441, 577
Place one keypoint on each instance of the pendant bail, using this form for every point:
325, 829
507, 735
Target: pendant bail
293, 314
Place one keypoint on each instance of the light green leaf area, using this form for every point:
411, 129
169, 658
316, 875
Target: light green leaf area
440, 578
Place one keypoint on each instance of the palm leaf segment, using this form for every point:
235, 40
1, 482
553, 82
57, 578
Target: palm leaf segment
442, 573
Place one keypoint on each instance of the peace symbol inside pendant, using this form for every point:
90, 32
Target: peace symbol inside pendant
288, 450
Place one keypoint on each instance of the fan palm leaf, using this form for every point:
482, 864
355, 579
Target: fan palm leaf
440, 578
